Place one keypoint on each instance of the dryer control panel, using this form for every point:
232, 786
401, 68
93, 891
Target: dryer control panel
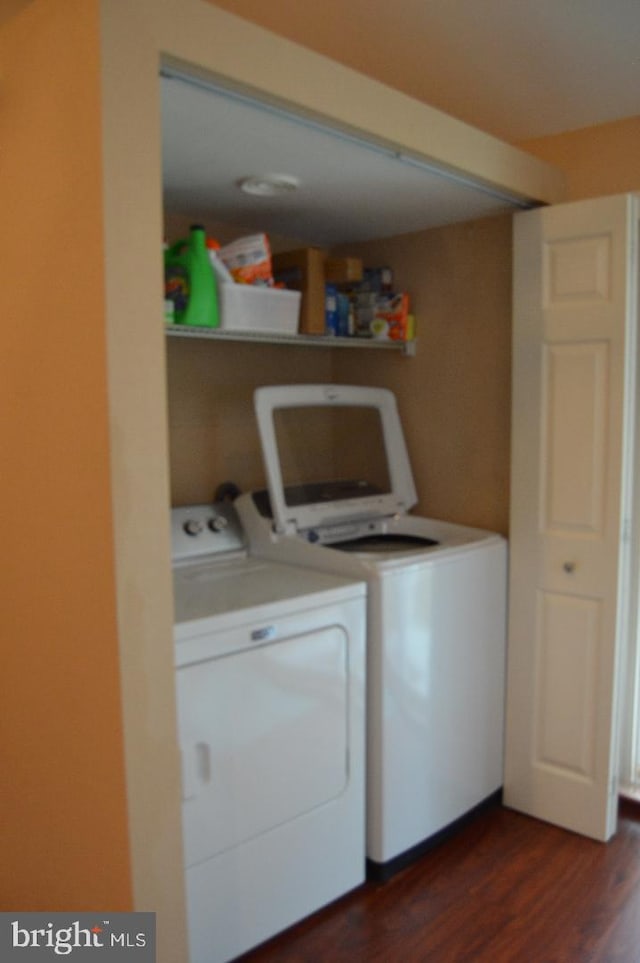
200, 530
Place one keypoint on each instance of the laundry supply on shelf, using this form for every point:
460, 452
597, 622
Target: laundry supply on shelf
248, 259
303, 270
373, 309
391, 317
341, 297
222, 273
378, 280
248, 299
190, 283
331, 316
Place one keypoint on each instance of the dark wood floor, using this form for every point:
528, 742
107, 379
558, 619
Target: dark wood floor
506, 888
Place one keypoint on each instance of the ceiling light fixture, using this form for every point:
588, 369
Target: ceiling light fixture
269, 185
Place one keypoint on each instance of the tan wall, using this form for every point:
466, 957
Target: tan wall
454, 396
212, 429
596, 160
64, 829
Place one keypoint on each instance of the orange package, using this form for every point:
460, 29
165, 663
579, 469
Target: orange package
249, 260
394, 309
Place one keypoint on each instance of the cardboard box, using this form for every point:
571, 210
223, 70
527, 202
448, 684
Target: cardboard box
303, 270
343, 270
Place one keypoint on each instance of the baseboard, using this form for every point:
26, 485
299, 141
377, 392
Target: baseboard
381, 872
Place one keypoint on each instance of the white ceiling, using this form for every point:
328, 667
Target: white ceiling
349, 190
518, 69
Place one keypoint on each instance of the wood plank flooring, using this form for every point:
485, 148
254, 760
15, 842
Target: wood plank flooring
505, 888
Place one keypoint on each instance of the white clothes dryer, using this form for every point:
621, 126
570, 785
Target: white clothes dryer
271, 719
436, 635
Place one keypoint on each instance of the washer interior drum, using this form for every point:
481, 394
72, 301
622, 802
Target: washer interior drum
386, 543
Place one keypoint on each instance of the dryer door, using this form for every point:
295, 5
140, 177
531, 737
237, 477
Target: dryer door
264, 735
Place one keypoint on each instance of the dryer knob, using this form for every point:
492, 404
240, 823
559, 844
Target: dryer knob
192, 526
218, 523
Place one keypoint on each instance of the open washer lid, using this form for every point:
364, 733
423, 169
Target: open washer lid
332, 453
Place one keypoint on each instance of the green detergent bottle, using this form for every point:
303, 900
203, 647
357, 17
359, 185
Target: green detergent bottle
190, 282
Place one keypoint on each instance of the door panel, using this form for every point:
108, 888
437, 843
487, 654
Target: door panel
575, 390
577, 270
567, 643
571, 421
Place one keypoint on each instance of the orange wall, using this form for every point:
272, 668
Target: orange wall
596, 160
64, 844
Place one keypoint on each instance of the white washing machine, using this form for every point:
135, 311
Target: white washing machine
270, 682
436, 605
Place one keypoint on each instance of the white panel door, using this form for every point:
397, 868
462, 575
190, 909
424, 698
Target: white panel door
575, 302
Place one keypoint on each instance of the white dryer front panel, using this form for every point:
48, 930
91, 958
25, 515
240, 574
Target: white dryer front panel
264, 736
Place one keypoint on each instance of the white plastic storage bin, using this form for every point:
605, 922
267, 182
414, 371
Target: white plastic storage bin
247, 308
